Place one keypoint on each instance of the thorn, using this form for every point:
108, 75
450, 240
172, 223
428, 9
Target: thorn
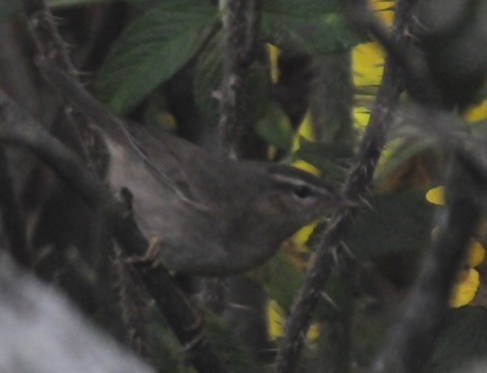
242, 307
364, 202
348, 251
328, 299
334, 255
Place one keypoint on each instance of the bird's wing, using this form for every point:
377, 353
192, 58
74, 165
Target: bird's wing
174, 162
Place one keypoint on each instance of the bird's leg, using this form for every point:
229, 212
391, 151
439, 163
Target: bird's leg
152, 257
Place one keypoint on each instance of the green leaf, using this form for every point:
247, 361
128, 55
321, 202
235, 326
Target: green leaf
463, 340
402, 151
281, 279
57, 3
230, 349
208, 80
168, 3
7, 8
275, 128
325, 157
395, 222
154, 47
307, 26
169, 356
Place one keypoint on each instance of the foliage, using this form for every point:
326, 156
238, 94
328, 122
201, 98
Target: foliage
394, 222
7, 8
152, 49
167, 47
462, 341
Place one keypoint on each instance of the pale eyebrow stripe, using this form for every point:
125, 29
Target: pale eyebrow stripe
298, 182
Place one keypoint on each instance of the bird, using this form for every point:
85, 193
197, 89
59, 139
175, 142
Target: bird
214, 216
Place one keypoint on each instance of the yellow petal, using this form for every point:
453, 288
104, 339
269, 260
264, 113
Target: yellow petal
383, 9
361, 117
273, 58
301, 236
436, 196
464, 291
368, 64
476, 254
275, 321
478, 112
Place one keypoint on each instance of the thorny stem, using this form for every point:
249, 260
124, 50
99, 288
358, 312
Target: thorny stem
355, 188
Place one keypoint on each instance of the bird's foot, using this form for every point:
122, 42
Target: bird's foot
152, 257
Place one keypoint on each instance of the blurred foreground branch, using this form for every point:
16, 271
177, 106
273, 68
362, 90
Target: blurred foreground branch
18, 128
42, 332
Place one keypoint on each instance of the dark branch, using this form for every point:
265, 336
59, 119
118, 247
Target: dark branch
18, 128
355, 188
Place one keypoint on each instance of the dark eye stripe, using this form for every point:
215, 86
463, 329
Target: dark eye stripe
302, 191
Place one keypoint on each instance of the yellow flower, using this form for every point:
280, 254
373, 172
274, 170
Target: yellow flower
468, 279
436, 196
464, 291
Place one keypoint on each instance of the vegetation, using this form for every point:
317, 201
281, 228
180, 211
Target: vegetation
385, 100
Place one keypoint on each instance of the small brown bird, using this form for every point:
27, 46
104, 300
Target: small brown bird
215, 216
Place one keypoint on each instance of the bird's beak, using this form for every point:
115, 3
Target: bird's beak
344, 202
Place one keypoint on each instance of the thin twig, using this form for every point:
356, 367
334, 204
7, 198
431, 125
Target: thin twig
355, 188
19, 128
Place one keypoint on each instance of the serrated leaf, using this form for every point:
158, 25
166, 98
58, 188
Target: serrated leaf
154, 47
395, 222
464, 340
7, 8
307, 26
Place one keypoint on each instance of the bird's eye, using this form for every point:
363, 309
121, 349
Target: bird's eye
302, 191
